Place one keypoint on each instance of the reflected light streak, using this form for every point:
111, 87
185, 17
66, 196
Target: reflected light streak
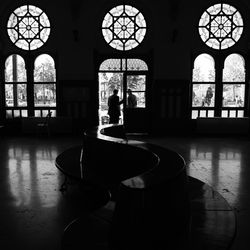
19, 179
33, 178
221, 169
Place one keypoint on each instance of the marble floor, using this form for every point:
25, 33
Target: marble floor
34, 212
223, 163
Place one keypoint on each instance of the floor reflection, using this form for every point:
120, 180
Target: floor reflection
220, 168
33, 178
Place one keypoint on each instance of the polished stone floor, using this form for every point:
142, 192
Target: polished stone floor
34, 212
224, 164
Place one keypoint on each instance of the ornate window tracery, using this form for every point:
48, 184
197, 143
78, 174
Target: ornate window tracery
124, 27
28, 27
220, 26
130, 64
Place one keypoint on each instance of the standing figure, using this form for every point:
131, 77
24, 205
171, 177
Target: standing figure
132, 99
114, 111
208, 97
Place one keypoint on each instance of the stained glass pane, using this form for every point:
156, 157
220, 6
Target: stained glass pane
220, 26
111, 65
131, 64
124, 27
136, 64
204, 70
28, 27
234, 69
233, 95
203, 95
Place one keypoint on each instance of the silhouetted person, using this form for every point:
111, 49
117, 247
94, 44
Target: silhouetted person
114, 111
132, 99
208, 97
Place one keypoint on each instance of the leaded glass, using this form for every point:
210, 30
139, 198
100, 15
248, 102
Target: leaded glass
111, 65
130, 64
136, 64
221, 26
28, 27
234, 69
124, 27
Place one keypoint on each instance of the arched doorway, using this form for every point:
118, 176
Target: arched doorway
124, 74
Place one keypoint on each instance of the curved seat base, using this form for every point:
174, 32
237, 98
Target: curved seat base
213, 224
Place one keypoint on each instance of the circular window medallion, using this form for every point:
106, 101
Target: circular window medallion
28, 27
220, 26
124, 27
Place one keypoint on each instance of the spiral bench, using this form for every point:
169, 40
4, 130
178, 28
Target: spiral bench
150, 185
156, 205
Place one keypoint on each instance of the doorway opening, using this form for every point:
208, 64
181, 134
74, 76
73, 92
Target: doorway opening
125, 75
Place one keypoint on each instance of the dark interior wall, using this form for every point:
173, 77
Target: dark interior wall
76, 31
172, 40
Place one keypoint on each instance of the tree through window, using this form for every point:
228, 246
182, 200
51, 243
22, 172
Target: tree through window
121, 74
233, 100
203, 86
227, 96
15, 87
44, 85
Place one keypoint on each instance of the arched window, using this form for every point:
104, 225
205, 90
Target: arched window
203, 86
234, 69
44, 85
204, 70
233, 100
220, 27
15, 87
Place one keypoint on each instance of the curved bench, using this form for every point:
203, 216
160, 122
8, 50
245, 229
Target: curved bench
151, 189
